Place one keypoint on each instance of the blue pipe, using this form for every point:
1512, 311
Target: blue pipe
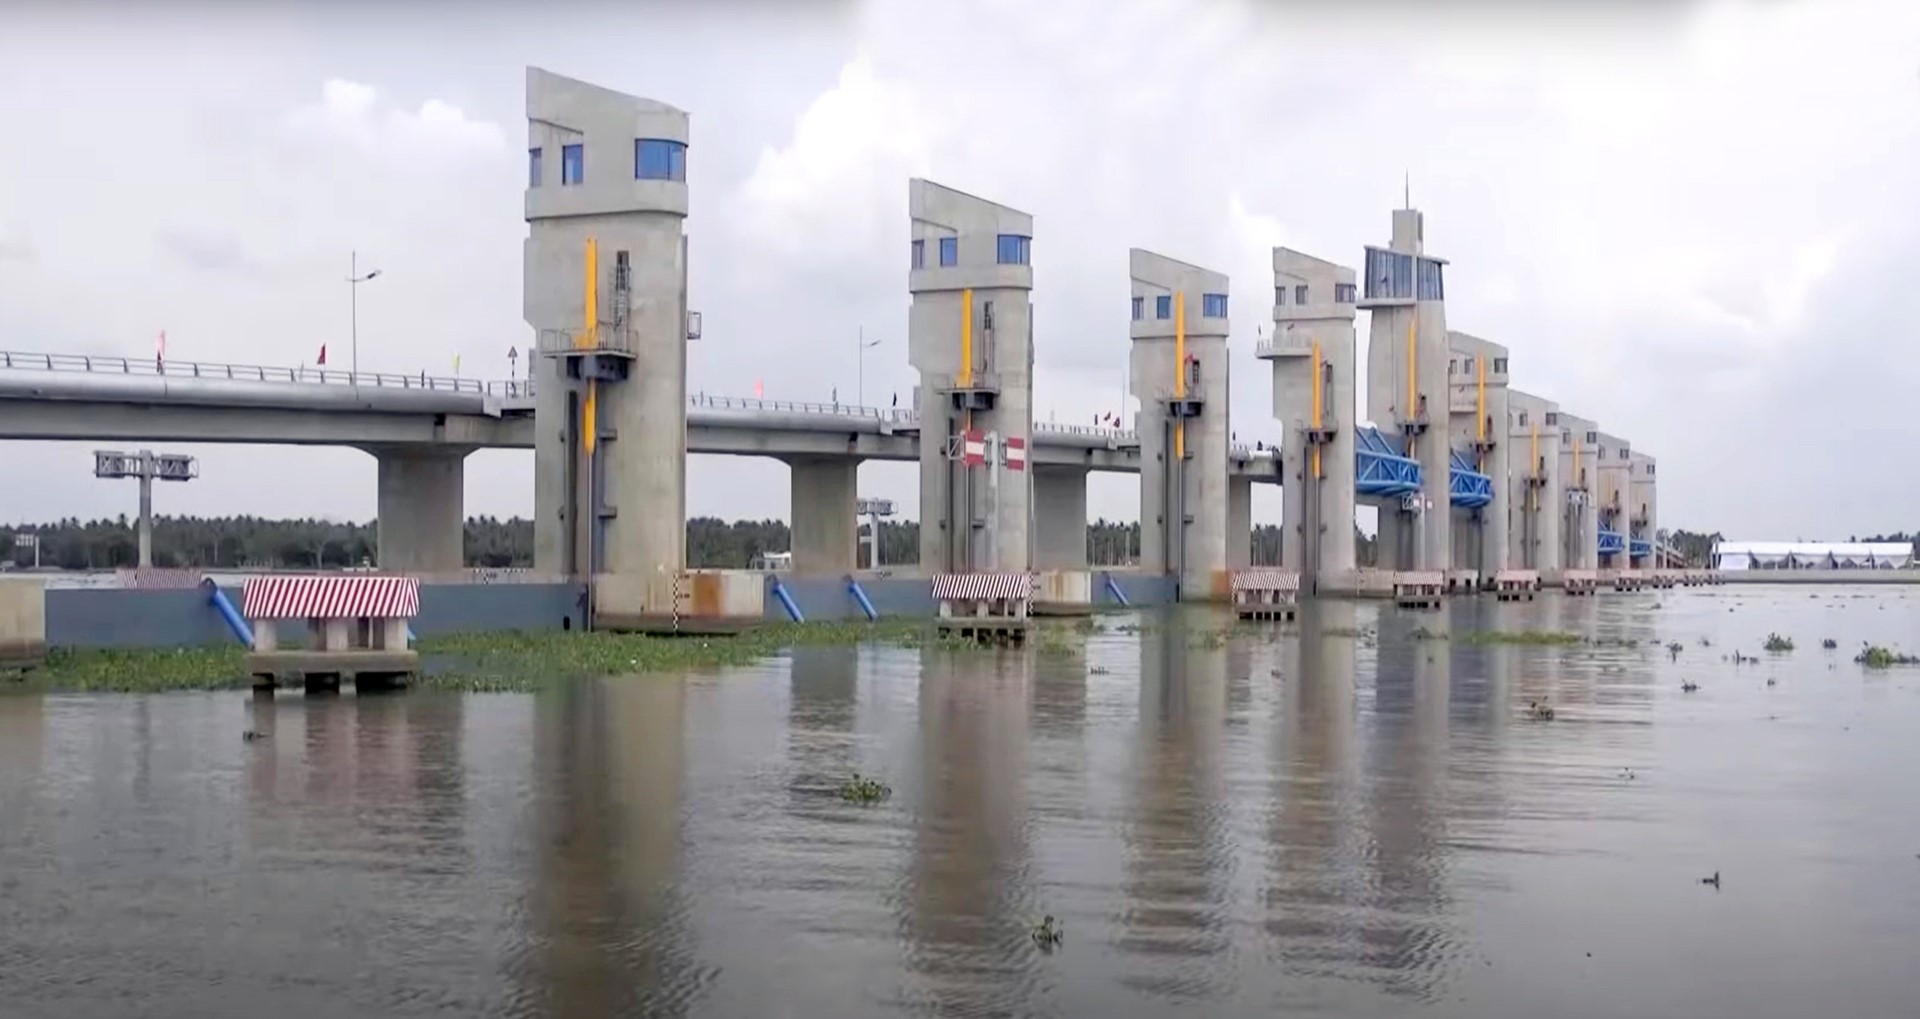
224, 605
860, 596
1114, 589
786, 600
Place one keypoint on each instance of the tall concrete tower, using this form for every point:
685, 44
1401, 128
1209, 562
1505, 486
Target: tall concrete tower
1579, 479
1312, 350
1643, 507
1477, 425
606, 294
1179, 375
1538, 504
1407, 368
1614, 457
970, 335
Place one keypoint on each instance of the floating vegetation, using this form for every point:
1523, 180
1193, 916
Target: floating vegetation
1539, 711
1089, 625
860, 789
1873, 656
1778, 644
1688, 686
1674, 649
1422, 633
1048, 933
1520, 637
1740, 659
1343, 631
1829, 644
105, 670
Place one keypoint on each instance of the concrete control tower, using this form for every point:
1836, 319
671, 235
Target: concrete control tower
970, 336
1179, 375
1534, 489
606, 294
1477, 424
1312, 351
1407, 388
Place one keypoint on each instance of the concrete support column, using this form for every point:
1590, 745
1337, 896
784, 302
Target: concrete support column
825, 539
1060, 518
422, 527
1407, 384
1240, 524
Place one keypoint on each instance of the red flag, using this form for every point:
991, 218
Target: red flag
323, 353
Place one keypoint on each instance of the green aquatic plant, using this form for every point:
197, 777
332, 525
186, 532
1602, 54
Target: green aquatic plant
1048, 933
1829, 644
859, 789
1873, 656
1520, 637
1777, 643
1539, 711
1422, 633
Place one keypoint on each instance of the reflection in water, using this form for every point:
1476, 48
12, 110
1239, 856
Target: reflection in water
1174, 921
611, 932
1273, 823
966, 899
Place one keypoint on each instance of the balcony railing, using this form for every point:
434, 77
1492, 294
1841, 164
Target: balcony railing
225, 372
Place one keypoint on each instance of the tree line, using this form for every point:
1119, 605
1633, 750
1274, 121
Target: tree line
238, 543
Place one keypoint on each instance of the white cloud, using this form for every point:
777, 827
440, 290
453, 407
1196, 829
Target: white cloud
357, 114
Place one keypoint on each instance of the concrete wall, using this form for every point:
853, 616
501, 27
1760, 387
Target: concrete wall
902, 596
1181, 476
999, 320
1317, 537
23, 620
1477, 414
1391, 401
1536, 511
110, 617
642, 420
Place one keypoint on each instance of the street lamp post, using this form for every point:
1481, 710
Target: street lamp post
354, 279
860, 393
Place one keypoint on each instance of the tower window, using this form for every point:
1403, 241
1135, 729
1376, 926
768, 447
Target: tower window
1467, 366
949, 251
1013, 249
1553, 417
919, 257
659, 159
1279, 297
1523, 419
1343, 293
1163, 306
1593, 438
1500, 365
573, 164
1139, 308
1213, 305
1300, 294
533, 167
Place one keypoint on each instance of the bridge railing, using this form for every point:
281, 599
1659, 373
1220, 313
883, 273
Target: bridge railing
1123, 436
716, 402
108, 364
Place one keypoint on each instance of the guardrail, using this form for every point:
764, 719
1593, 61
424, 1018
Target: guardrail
715, 402
1120, 435
103, 364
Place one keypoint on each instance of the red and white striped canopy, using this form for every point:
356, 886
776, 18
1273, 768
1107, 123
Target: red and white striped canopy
1266, 580
951, 586
328, 597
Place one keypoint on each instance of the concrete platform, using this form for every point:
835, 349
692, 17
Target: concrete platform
322, 670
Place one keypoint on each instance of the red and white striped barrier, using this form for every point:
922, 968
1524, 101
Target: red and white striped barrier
973, 451
1265, 580
981, 586
1016, 453
330, 597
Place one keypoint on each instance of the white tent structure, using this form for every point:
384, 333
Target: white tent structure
1812, 555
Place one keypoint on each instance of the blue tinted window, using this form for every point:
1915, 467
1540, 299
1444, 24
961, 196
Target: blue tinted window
1163, 306
919, 254
533, 168
1013, 249
572, 164
1213, 306
659, 159
949, 251
1139, 308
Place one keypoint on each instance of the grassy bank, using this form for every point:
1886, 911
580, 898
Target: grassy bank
477, 661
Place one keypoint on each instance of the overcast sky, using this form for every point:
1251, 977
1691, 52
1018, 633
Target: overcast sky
1695, 224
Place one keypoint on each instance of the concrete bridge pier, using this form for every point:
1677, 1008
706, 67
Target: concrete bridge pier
1240, 523
1580, 529
1407, 384
1535, 493
1477, 418
1060, 518
825, 533
422, 526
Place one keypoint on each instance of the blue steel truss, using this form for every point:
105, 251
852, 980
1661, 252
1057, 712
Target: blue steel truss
1640, 548
1467, 487
1612, 543
1380, 470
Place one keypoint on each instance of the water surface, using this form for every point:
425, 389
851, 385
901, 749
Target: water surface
1307, 822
